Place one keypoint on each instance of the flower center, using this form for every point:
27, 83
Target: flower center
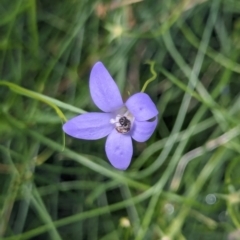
123, 121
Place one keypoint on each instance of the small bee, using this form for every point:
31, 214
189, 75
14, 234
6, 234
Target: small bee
124, 125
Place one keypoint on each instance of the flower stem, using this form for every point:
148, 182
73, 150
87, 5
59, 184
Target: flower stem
154, 74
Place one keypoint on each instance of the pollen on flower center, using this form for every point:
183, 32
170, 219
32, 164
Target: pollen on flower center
123, 122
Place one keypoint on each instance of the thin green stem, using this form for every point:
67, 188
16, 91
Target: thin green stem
154, 75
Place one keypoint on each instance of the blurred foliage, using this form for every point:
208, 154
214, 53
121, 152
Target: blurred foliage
183, 183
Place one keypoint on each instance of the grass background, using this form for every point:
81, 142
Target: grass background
183, 183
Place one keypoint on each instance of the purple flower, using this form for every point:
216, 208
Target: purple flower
136, 119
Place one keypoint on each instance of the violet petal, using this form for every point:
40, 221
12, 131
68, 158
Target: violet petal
141, 106
104, 91
142, 131
119, 149
89, 126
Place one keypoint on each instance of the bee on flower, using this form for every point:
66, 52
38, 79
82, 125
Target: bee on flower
120, 122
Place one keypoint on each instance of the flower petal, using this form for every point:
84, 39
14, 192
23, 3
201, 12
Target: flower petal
142, 131
89, 126
119, 149
141, 106
104, 91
